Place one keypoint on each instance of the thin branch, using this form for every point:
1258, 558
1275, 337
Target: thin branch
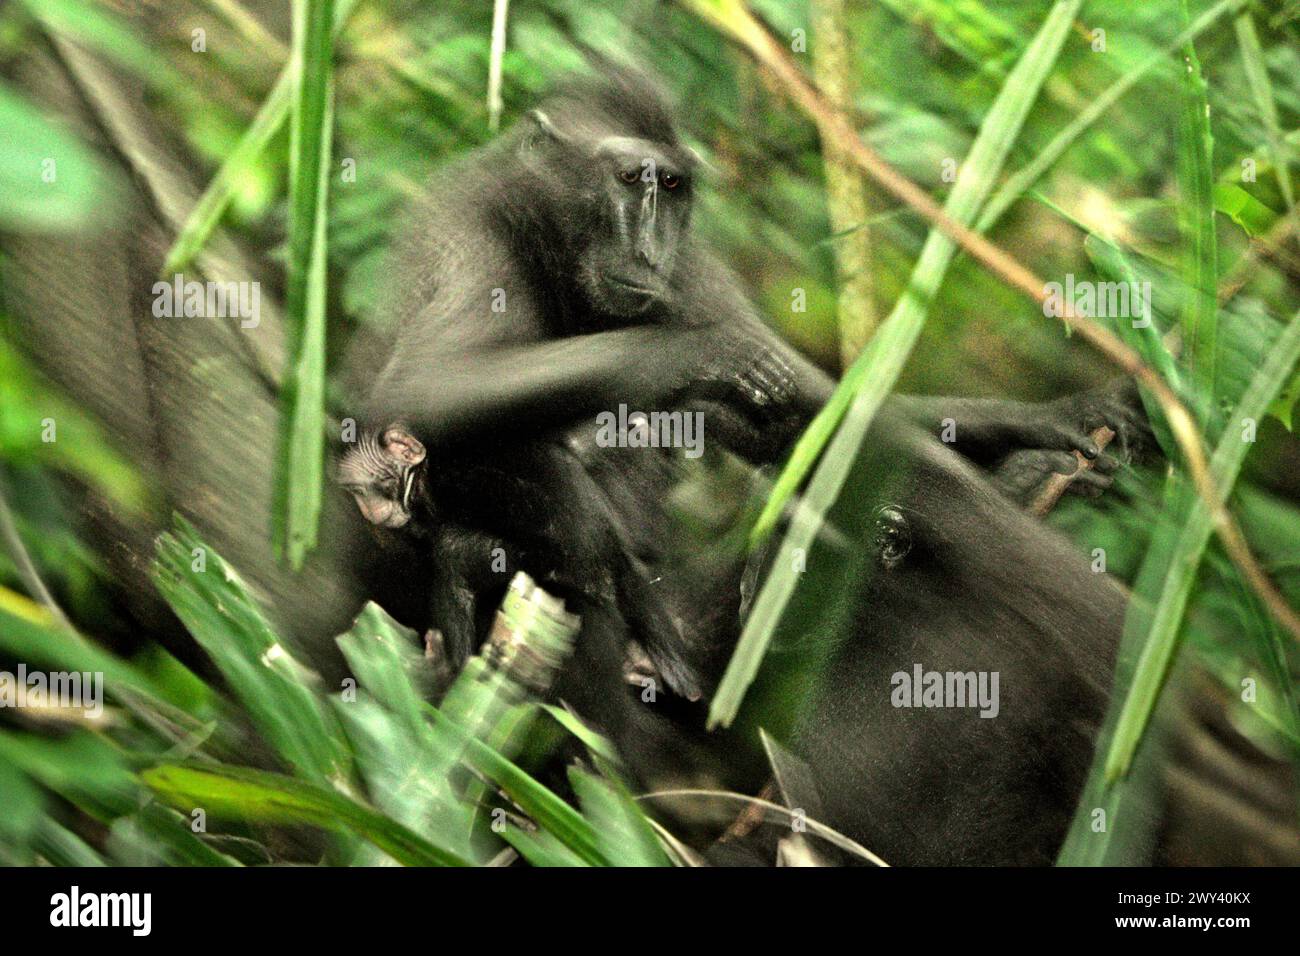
1055, 486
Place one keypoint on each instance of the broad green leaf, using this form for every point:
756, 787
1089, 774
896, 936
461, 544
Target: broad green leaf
49, 181
40, 425
283, 697
1243, 209
257, 796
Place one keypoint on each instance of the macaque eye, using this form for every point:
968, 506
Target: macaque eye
630, 175
670, 182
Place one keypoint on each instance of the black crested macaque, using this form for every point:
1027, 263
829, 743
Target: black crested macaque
552, 276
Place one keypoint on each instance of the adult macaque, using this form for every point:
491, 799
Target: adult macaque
552, 275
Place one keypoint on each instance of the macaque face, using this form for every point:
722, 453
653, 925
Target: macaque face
645, 194
381, 474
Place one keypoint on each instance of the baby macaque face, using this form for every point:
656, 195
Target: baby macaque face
381, 473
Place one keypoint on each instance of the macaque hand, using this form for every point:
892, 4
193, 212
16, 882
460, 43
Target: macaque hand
1022, 473
761, 389
1067, 424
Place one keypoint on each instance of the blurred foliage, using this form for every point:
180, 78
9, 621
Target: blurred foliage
366, 764
410, 92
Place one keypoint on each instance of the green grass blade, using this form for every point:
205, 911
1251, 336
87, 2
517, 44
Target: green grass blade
599, 746
383, 656
159, 836
300, 474
407, 765
1201, 256
625, 836
261, 797
212, 205
870, 378
540, 803
43, 642
901, 329
87, 22
1273, 650
541, 848
84, 768
1112, 263
61, 847
1225, 466
1252, 57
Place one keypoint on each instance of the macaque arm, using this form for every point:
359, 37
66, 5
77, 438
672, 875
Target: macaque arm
535, 385
985, 429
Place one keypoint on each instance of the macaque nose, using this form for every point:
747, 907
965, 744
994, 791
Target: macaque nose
649, 247
374, 510
381, 512
647, 251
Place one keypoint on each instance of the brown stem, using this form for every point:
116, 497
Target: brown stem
846, 192
1055, 486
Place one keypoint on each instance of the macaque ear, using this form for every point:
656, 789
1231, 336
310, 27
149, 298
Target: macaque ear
403, 446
